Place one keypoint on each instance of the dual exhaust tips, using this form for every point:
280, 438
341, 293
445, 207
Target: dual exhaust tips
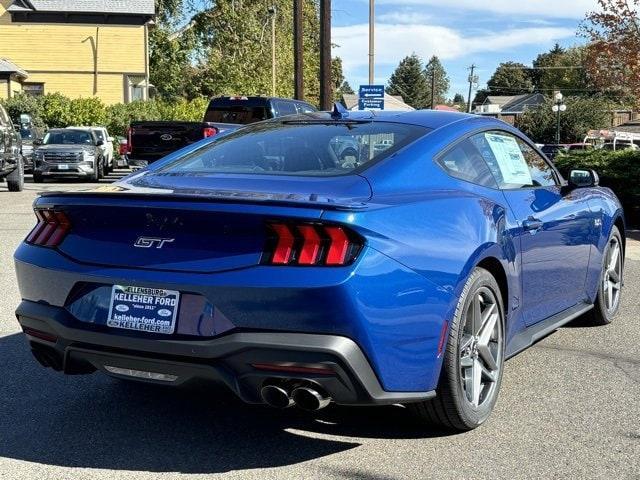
307, 398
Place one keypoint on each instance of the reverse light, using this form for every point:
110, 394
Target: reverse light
51, 229
310, 244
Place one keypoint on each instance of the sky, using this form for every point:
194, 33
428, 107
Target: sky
460, 32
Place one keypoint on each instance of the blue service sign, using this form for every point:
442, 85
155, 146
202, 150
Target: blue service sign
371, 97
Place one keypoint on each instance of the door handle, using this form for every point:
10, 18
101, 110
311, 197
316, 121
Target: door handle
532, 224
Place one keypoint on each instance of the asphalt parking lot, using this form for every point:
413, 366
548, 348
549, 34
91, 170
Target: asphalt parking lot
569, 408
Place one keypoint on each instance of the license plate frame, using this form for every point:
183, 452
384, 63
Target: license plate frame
143, 309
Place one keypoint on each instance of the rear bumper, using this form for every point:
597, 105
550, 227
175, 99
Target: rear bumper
227, 359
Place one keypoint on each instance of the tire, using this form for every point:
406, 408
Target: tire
610, 282
463, 402
37, 177
15, 180
101, 169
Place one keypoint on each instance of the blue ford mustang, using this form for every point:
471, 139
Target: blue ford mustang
358, 258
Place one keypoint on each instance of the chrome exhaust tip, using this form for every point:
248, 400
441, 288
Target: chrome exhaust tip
310, 399
275, 396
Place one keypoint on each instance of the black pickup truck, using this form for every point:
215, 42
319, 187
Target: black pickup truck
150, 141
11, 162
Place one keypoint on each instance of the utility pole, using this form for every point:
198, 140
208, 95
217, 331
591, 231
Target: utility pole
272, 12
298, 76
326, 94
372, 22
433, 87
472, 79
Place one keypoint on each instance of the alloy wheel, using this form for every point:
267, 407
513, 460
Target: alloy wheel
612, 275
480, 348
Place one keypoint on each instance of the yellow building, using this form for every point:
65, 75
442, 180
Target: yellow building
80, 48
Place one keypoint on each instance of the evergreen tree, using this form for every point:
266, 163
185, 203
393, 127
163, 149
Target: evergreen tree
434, 67
409, 82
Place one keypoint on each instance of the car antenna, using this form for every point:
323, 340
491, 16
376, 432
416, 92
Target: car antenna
339, 112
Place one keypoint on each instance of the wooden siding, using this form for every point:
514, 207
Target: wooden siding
65, 56
3, 89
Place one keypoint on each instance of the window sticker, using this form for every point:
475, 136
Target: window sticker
510, 159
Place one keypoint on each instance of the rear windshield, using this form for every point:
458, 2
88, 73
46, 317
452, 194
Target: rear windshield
295, 148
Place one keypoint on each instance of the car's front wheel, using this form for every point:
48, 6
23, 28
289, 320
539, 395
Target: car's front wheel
610, 285
473, 360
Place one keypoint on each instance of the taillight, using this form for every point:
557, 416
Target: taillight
52, 227
209, 131
130, 133
310, 244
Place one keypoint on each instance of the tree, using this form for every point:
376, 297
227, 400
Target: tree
340, 85
562, 69
434, 67
459, 102
408, 81
582, 114
612, 54
215, 47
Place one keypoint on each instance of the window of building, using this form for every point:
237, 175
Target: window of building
33, 89
134, 88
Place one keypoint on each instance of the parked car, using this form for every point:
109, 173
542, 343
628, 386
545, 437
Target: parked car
576, 147
263, 261
66, 152
552, 149
106, 148
29, 134
619, 146
11, 162
148, 141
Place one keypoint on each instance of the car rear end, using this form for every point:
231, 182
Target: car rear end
268, 283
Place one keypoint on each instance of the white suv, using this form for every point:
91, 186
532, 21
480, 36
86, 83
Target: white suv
107, 148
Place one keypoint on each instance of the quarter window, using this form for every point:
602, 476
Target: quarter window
466, 163
513, 163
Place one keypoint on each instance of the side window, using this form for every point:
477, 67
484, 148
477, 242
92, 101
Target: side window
304, 107
285, 108
513, 163
466, 163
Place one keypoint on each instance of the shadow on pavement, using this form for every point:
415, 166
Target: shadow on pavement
97, 422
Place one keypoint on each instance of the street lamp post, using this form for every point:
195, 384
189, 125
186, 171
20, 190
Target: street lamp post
558, 107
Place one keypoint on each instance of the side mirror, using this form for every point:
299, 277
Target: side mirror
37, 142
583, 178
99, 143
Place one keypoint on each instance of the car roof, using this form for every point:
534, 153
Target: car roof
432, 119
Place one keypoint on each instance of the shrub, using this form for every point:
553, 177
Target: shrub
618, 170
55, 110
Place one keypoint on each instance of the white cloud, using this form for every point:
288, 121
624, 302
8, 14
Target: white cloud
405, 16
535, 8
395, 41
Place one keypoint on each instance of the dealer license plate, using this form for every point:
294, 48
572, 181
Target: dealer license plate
63, 167
152, 310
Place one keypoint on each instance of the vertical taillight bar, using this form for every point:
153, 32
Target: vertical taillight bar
51, 229
311, 244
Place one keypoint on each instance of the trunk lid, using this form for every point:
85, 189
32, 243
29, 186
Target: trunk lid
191, 224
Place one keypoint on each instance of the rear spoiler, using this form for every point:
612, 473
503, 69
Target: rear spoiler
211, 196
